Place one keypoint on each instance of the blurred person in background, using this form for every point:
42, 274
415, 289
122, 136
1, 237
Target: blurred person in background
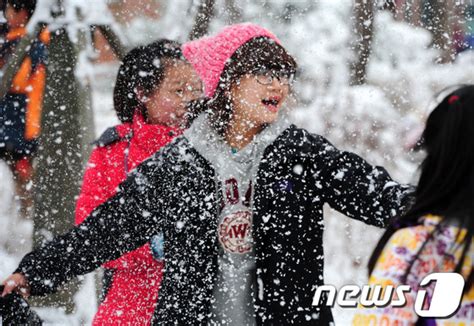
20, 108
436, 234
153, 85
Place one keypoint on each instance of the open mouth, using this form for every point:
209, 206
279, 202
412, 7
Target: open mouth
272, 103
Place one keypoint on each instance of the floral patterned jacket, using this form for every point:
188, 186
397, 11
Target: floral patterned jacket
441, 253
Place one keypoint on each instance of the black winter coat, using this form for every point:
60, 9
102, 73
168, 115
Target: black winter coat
175, 191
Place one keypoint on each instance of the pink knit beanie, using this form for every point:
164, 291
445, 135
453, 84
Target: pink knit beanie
208, 55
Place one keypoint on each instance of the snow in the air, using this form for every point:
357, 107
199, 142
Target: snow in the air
380, 120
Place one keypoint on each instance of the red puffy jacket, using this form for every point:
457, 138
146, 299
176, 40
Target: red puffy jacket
137, 275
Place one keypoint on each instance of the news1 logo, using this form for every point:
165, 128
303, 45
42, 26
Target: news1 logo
445, 299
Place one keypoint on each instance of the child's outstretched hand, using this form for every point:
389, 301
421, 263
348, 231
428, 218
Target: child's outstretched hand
18, 283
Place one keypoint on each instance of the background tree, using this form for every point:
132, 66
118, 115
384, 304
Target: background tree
234, 12
67, 133
203, 19
439, 19
67, 124
363, 26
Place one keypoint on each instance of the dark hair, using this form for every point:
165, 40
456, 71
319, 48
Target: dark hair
17, 5
446, 185
142, 69
256, 54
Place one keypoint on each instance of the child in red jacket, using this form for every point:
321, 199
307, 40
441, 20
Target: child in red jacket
153, 85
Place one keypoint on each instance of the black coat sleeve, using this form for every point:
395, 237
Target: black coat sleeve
123, 223
357, 189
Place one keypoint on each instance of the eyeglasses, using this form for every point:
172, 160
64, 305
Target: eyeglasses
265, 77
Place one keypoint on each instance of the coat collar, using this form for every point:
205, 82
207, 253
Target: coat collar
151, 135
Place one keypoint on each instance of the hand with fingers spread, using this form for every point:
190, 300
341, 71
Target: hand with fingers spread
16, 283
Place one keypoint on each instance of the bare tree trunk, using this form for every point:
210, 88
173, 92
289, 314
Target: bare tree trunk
203, 18
64, 145
439, 22
233, 12
416, 13
391, 6
400, 9
364, 19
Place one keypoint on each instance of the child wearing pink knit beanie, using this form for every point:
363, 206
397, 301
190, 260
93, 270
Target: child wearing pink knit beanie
209, 55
